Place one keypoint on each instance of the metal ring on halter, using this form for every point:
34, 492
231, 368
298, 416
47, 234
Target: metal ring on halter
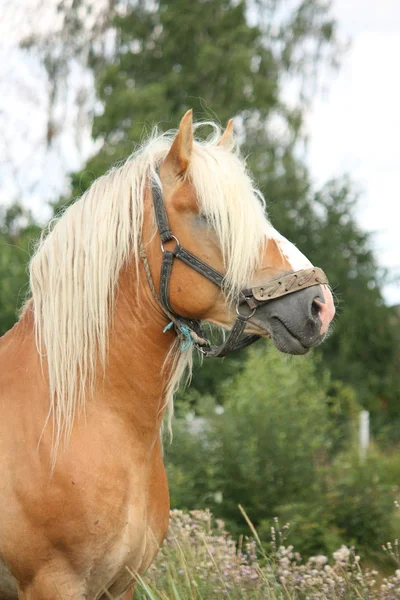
245, 317
172, 238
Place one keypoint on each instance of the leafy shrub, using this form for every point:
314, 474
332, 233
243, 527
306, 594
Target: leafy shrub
272, 449
264, 450
312, 529
361, 500
272, 436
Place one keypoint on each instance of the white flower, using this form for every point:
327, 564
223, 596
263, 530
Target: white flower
319, 560
342, 555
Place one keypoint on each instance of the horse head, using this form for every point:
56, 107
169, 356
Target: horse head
214, 213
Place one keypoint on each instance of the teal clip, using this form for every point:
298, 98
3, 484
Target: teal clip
185, 331
187, 337
170, 324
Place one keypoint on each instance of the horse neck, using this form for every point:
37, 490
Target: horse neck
138, 369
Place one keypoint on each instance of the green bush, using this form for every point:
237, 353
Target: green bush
360, 500
274, 449
264, 450
273, 434
311, 530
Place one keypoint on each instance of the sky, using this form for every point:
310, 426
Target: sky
354, 126
28, 167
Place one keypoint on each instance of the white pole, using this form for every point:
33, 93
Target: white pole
363, 434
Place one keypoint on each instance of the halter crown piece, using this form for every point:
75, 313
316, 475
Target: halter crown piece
191, 330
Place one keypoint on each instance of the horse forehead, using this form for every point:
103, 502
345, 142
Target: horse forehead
276, 259
295, 260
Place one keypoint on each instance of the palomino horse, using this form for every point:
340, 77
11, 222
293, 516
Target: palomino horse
90, 368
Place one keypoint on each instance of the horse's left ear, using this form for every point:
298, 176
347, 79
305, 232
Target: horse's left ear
227, 139
178, 157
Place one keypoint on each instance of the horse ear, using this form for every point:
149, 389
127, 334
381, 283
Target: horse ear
178, 157
227, 139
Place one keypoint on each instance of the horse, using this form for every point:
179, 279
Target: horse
120, 287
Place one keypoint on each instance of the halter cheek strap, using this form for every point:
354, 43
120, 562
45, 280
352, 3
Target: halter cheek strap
184, 326
191, 329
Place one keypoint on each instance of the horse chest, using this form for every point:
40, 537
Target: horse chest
132, 553
138, 533
136, 536
109, 531
110, 576
113, 573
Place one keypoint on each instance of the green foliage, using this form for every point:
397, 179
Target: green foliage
272, 433
274, 450
17, 230
364, 347
354, 506
168, 59
361, 498
264, 449
312, 530
189, 468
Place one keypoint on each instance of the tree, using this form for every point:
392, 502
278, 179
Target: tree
167, 59
363, 349
17, 230
47, 93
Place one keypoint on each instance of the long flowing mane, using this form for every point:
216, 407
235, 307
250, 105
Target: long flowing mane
75, 270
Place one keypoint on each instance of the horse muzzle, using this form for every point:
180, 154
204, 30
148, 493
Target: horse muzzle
298, 321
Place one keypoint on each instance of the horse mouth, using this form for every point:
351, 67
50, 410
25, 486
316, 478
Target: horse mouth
284, 340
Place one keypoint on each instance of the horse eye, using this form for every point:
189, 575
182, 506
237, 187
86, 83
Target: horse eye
202, 220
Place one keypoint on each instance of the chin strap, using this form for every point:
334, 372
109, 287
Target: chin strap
191, 330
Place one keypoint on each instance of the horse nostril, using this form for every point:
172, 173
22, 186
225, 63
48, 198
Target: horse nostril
315, 309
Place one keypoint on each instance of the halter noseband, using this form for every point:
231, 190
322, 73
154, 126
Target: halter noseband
191, 329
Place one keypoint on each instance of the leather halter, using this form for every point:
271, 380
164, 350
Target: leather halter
191, 329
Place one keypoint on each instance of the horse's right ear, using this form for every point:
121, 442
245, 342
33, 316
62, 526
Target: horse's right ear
178, 157
227, 139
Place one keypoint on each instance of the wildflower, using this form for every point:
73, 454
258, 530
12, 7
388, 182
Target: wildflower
319, 560
342, 555
235, 570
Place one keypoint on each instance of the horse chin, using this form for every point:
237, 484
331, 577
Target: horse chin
280, 335
285, 341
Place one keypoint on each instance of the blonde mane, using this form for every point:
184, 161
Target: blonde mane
75, 270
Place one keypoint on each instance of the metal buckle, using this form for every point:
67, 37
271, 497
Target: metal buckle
171, 238
244, 317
